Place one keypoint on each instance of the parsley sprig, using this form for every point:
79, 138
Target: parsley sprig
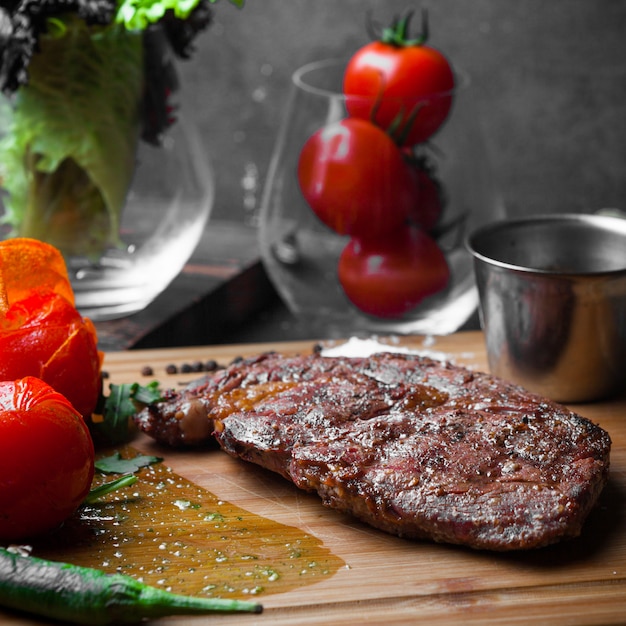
112, 424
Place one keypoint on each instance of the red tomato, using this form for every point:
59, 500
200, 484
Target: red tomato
429, 200
390, 276
398, 79
46, 459
43, 335
355, 179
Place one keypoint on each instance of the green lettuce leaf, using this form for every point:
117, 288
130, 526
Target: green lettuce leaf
139, 14
67, 155
59, 161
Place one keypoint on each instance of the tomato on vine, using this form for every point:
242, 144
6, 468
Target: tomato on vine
356, 179
387, 277
46, 458
430, 194
400, 83
429, 206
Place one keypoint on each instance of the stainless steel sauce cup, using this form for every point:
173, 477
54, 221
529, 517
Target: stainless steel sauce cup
553, 303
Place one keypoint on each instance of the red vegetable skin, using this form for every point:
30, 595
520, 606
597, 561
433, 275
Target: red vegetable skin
428, 206
41, 332
400, 79
46, 459
28, 265
44, 336
388, 277
355, 179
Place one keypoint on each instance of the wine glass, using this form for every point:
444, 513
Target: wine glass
301, 253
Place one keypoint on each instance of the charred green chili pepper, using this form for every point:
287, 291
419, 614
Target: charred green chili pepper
82, 595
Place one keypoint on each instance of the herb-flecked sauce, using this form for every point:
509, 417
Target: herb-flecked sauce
168, 532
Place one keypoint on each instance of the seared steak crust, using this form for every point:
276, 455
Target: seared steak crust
410, 445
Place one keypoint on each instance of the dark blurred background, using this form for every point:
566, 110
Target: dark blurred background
549, 79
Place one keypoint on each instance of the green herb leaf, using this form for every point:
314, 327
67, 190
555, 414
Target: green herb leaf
102, 490
115, 464
123, 401
146, 394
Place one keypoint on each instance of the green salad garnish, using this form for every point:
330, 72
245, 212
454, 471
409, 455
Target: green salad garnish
84, 80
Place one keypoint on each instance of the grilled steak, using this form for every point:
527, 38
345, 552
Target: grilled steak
408, 444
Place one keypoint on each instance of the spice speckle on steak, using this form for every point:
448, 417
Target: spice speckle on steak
410, 445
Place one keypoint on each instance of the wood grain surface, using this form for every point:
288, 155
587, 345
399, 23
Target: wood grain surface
386, 580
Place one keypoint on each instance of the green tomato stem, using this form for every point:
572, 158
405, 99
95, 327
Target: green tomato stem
398, 33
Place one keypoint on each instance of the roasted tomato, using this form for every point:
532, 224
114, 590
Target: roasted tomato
387, 277
401, 84
46, 459
43, 335
356, 179
41, 332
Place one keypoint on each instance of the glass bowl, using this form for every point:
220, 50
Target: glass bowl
301, 254
166, 211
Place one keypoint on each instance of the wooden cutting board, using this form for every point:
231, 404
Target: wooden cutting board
380, 579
